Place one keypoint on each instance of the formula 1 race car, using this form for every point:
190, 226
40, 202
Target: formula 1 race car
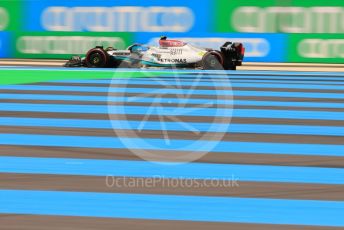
169, 54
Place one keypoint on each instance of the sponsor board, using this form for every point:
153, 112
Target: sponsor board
258, 47
4, 18
10, 15
65, 44
118, 16
324, 48
273, 16
5, 45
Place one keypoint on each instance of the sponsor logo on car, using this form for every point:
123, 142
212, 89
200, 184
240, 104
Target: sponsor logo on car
121, 53
156, 55
202, 53
176, 60
175, 52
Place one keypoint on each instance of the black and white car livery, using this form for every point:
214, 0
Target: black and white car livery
169, 54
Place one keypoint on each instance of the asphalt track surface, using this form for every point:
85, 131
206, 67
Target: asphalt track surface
278, 165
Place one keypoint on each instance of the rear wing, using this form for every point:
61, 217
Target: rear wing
233, 53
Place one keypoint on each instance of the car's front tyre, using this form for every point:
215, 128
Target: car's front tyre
97, 58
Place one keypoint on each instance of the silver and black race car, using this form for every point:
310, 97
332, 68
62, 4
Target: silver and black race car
169, 54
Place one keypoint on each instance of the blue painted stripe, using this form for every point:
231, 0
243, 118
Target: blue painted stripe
120, 83
287, 94
313, 82
290, 104
173, 145
192, 79
172, 207
108, 89
255, 173
61, 97
208, 81
176, 100
174, 126
288, 86
173, 91
173, 111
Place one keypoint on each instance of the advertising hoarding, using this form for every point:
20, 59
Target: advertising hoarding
279, 16
65, 44
321, 48
11, 17
118, 16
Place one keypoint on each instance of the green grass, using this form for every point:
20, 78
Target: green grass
22, 76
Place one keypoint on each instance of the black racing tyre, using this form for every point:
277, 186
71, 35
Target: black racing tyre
212, 61
97, 58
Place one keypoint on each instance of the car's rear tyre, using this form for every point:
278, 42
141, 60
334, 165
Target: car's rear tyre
97, 58
212, 61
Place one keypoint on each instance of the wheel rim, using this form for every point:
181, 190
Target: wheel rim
212, 62
95, 59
